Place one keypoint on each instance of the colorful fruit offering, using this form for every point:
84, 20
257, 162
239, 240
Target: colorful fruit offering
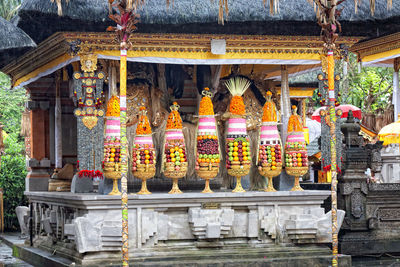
270, 149
238, 159
112, 150
207, 146
143, 152
238, 153
296, 159
174, 159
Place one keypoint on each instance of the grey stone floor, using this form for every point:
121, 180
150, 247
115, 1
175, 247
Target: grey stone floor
6, 258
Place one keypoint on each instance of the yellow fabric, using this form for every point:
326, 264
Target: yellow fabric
381, 55
390, 134
329, 177
299, 92
306, 134
209, 55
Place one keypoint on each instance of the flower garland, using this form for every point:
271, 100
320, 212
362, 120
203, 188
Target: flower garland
113, 109
90, 174
295, 123
237, 106
143, 127
237, 86
206, 105
174, 118
269, 110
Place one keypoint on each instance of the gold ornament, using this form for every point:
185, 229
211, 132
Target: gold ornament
89, 121
77, 75
89, 62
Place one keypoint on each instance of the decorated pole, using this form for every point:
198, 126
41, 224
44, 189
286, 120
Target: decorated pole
327, 19
332, 123
126, 21
124, 157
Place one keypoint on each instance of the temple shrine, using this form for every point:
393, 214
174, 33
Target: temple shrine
215, 140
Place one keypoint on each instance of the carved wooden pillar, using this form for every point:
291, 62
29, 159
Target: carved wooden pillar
37, 178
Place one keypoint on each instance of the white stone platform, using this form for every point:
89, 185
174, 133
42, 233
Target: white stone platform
87, 227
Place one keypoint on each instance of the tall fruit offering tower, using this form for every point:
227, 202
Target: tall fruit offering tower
296, 158
143, 153
174, 156
112, 144
238, 160
207, 147
270, 156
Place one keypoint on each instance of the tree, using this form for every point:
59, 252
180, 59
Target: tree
371, 88
13, 171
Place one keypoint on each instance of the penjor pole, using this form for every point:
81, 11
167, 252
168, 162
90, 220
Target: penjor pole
126, 21
327, 19
124, 167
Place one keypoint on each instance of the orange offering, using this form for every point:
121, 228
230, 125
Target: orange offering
113, 109
295, 122
237, 86
174, 118
206, 106
269, 110
143, 127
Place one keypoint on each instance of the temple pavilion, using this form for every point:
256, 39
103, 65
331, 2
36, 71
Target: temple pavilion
175, 53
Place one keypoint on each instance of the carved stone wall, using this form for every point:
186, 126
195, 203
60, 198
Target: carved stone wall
371, 224
86, 225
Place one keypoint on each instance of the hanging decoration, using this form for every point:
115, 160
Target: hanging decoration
175, 163
296, 159
269, 160
207, 148
237, 141
88, 90
143, 152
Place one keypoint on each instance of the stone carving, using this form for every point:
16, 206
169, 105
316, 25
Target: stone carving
389, 214
357, 208
22, 215
86, 225
210, 223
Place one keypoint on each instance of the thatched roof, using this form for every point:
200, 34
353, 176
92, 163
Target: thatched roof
39, 17
14, 41
13, 37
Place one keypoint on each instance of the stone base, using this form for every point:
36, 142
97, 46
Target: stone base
81, 185
368, 246
37, 180
190, 229
183, 255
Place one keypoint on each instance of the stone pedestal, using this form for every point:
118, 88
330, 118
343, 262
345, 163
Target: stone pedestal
391, 163
185, 228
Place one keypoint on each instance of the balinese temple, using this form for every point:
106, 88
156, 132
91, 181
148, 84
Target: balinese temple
176, 52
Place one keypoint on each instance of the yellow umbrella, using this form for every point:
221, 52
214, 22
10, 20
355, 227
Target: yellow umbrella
390, 134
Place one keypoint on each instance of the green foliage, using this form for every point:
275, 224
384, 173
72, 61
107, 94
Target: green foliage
12, 180
371, 88
13, 171
8, 8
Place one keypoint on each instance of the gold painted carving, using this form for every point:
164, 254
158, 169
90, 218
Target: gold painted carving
89, 62
89, 121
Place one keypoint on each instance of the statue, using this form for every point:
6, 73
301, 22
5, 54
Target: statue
88, 90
